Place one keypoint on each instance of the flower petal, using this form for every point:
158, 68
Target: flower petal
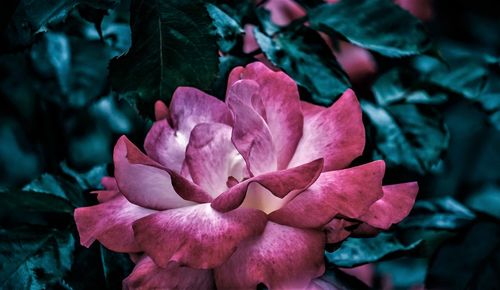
146, 275
109, 183
279, 96
336, 230
110, 223
281, 258
349, 192
252, 137
336, 134
212, 157
161, 110
196, 236
393, 207
281, 183
166, 142
141, 181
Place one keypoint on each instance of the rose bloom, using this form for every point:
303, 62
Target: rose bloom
247, 191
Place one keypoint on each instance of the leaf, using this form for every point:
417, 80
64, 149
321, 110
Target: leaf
86, 180
358, 251
438, 214
379, 25
116, 267
34, 258
57, 186
405, 272
31, 201
172, 45
486, 200
228, 30
408, 136
398, 85
469, 261
31, 17
305, 57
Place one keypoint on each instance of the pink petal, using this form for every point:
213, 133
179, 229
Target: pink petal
336, 230
110, 223
109, 183
196, 236
252, 137
393, 207
357, 62
281, 258
212, 157
336, 134
419, 8
105, 195
280, 98
282, 183
349, 192
146, 275
161, 110
143, 184
284, 11
165, 142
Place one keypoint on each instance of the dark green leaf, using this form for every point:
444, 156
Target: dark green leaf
406, 135
378, 25
358, 251
470, 261
30, 201
173, 45
439, 214
116, 267
31, 17
34, 258
304, 56
57, 186
405, 272
396, 86
228, 30
486, 200
86, 180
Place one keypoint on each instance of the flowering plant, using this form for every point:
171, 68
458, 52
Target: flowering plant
242, 192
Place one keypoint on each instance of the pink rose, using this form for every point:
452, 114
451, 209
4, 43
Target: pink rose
247, 191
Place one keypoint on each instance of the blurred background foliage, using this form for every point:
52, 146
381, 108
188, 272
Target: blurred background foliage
76, 74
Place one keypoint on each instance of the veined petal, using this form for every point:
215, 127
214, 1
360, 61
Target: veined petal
252, 137
166, 142
110, 223
141, 180
393, 207
147, 275
212, 157
280, 100
283, 183
336, 134
196, 236
349, 192
281, 258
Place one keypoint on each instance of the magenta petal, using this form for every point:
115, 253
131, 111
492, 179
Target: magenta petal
105, 195
161, 110
349, 192
336, 134
110, 223
279, 96
196, 236
143, 184
212, 157
336, 230
252, 137
281, 258
146, 275
109, 183
393, 207
166, 142
280, 183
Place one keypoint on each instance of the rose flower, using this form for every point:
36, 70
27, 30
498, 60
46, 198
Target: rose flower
247, 191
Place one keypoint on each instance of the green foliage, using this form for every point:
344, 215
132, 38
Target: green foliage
378, 25
470, 261
358, 251
304, 56
228, 30
34, 258
407, 136
173, 45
